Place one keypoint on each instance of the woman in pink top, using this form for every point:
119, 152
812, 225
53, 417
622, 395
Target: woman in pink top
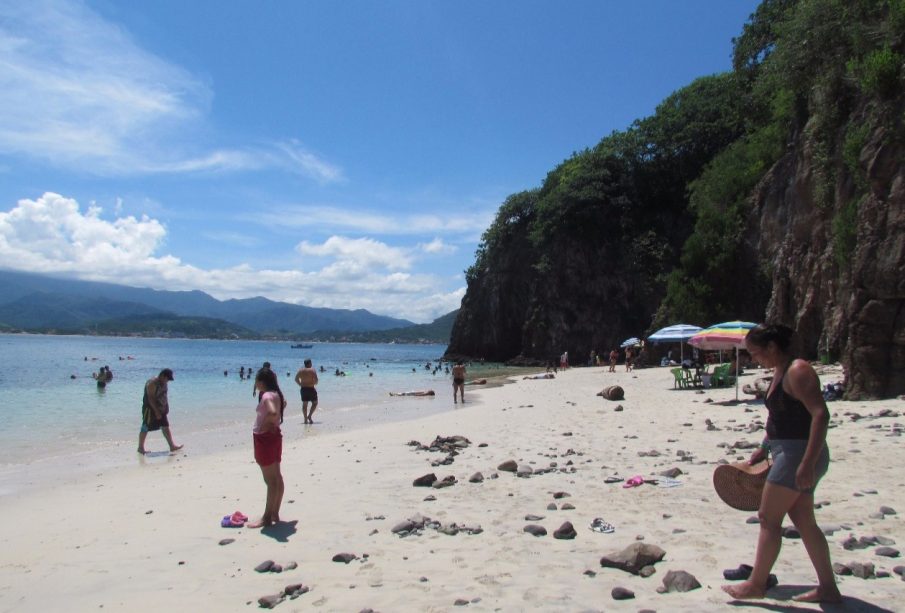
269, 444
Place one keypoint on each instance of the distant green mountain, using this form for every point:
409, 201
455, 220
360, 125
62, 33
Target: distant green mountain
437, 331
24, 303
173, 326
46, 311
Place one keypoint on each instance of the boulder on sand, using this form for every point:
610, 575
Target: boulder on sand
633, 558
613, 392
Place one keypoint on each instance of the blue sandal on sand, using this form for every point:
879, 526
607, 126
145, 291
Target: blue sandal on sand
598, 525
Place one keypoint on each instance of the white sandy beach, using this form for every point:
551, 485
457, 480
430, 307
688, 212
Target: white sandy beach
146, 538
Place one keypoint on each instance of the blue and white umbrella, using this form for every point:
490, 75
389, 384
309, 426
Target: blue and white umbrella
631, 342
678, 333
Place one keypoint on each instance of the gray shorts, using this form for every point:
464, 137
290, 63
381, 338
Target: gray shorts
787, 455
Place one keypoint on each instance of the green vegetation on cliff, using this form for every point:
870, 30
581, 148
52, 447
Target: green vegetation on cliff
658, 224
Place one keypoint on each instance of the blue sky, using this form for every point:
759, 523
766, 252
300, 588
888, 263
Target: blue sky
335, 154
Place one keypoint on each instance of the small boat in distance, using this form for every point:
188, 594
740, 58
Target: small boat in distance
301, 346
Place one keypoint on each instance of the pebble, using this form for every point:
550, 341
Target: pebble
841, 569
679, 581
887, 510
264, 566
295, 590
425, 480
476, 478
226, 541
531, 517
565, 532
344, 557
864, 570
430, 498
567, 507
269, 602
535, 530
621, 593
509, 466
887, 552
460, 602
791, 532
551, 506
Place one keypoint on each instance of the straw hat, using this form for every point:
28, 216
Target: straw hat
740, 485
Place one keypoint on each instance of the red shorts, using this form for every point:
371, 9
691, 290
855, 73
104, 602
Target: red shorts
268, 448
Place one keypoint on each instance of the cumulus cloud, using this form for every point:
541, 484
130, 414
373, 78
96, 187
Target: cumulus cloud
78, 92
362, 253
51, 234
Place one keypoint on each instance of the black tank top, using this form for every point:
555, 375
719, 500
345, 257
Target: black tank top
788, 418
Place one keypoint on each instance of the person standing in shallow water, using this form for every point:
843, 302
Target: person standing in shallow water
155, 408
268, 444
307, 380
458, 375
796, 438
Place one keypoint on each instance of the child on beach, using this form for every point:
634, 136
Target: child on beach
268, 442
796, 438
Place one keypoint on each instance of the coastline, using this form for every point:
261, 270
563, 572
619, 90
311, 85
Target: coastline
146, 536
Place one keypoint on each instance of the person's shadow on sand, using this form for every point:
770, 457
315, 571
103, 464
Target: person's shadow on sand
280, 531
787, 592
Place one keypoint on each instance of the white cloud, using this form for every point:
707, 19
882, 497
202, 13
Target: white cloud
437, 246
52, 235
334, 218
78, 92
358, 253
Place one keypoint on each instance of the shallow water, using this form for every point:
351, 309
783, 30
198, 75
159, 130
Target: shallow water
45, 413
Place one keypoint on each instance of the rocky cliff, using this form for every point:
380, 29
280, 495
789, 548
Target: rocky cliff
772, 193
847, 301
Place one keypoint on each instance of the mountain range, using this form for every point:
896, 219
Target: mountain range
41, 303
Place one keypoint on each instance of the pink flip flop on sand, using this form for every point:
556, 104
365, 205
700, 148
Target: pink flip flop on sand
634, 481
236, 520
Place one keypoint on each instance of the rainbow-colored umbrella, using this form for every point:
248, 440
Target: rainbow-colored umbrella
728, 335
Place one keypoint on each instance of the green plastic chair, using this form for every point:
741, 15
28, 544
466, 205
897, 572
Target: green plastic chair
679, 378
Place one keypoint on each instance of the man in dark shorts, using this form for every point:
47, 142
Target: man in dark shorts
458, 374
154, 410
307, 378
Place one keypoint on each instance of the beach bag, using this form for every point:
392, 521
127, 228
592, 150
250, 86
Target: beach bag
741, 485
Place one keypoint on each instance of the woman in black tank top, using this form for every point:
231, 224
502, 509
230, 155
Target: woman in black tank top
796, 435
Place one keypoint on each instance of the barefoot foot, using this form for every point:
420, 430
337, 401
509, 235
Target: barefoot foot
175, 448
820, 595
259, 523
744, 591
142, 451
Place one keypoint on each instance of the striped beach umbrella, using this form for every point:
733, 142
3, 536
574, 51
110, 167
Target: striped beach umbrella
631, 342
678, 333
727, 335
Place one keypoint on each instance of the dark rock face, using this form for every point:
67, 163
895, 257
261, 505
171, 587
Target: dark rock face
854, 308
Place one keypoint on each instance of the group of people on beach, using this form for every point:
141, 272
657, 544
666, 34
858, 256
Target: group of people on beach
797, 423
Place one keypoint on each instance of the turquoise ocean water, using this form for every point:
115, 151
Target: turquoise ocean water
47, 415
